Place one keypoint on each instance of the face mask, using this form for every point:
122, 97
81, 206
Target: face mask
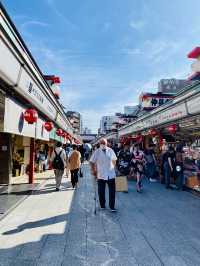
103, 147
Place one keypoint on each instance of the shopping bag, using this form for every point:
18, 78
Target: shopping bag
121, 184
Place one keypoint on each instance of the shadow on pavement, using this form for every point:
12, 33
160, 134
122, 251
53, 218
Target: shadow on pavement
50, 249
39, 223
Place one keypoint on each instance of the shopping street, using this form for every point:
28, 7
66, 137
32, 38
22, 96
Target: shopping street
157, 227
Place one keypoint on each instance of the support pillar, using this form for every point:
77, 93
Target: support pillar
32, 161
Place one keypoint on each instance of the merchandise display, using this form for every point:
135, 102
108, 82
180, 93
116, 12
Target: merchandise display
192, 167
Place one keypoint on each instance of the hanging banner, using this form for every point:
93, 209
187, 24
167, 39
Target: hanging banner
150, 101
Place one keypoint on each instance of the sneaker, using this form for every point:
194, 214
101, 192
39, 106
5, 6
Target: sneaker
113, 210
102, 208
152, 180
57, 189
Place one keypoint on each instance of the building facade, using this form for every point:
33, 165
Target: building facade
106, 124
31, 117
75, 120
86, 131
129, 110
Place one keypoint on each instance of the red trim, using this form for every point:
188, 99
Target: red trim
53, 78
195, 53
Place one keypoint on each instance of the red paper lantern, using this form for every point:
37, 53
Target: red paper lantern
31, 116
172, 129
153, 132
59, 132
48, 126
69, 137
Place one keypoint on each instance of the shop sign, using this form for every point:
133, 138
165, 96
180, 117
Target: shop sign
41, 133
172, 114
9, 65
165, 116
172, 85
152, 101
193, 105
63, 123
35, 95
14, 122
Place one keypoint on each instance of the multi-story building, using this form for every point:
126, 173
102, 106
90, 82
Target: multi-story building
31, 117
106, 124
172, 86
130, 109
75, 120
86, 131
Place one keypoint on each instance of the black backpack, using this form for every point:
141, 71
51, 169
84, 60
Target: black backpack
58, 162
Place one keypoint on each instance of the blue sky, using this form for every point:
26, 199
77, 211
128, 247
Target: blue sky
108, 51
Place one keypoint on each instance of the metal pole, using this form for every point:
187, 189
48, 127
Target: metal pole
32, 161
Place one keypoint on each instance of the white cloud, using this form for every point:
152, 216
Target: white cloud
70, 98
92, 116
132, 51
53, 6
137, 25
33, 23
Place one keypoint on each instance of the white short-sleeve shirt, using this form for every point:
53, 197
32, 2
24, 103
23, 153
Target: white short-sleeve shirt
103, 161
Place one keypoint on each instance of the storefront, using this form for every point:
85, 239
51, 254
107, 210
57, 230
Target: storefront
25, 94
16, 135
178, 121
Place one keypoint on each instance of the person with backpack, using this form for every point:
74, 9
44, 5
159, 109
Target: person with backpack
74, 165
58, 160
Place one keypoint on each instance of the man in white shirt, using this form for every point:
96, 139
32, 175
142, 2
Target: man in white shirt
58, 159
102, 163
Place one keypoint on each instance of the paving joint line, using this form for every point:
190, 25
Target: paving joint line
154, 251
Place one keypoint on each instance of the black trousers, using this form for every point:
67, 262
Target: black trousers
101, 191
74, 177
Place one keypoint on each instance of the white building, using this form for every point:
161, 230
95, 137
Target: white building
106, 123
87, 131
130, 109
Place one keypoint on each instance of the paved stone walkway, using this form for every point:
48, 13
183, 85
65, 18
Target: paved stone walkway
12, 195
158, 227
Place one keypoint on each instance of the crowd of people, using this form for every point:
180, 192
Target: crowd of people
68, 158
129, 160
136, 162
